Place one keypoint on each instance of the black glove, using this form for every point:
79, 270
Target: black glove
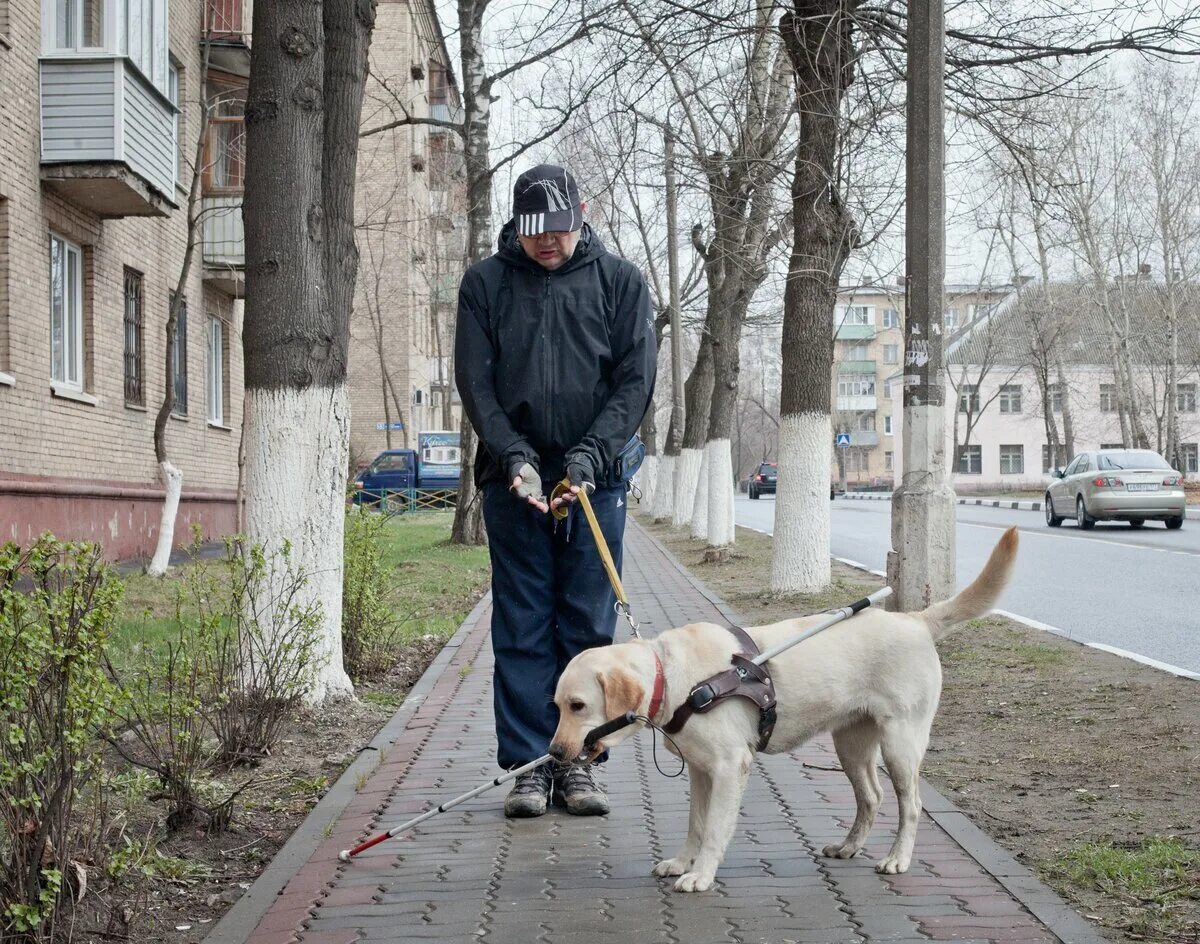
579, 471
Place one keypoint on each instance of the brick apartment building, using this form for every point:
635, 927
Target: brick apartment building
868, 332
99, 122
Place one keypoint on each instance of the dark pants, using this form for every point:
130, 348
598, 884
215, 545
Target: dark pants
550, 600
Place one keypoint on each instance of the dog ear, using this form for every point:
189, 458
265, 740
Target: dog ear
622, 692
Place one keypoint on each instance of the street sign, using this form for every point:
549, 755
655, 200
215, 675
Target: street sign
395, 424
843, 440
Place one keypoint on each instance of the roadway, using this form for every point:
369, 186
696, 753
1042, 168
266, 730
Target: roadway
1133, 590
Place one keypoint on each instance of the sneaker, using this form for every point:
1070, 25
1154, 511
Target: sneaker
530, 793
577, 790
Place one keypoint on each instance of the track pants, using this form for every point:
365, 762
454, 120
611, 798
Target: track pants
550, 601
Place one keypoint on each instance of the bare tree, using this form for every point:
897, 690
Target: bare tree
302, 119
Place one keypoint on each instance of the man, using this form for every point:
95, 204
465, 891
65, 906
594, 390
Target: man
555, 363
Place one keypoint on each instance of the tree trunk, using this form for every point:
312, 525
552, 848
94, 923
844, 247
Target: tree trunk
477, 103
302, 122
697, 399
818, 38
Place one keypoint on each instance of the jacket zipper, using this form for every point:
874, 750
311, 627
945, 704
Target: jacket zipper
548, 360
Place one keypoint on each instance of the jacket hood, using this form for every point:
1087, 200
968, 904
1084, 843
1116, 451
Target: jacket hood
589, 249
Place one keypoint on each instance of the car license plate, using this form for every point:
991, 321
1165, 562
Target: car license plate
1143, 487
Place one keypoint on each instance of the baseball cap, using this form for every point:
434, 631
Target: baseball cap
546, 199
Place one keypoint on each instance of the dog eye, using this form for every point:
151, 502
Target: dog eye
577, 706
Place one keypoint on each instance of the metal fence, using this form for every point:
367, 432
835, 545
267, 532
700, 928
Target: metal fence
406, 500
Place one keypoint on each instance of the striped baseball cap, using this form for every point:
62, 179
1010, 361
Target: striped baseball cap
546, 200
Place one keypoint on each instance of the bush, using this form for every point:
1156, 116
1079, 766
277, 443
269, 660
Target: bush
57, 606
370, 628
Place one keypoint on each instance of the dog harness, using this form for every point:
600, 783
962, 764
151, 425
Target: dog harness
743, 679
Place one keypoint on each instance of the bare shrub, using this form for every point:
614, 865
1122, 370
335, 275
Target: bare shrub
370, 627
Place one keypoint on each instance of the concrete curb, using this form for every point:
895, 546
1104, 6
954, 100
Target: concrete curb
240, 921
1059, 918
1009, 503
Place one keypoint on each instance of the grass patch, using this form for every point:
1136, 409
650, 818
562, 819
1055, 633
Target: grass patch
1154, 878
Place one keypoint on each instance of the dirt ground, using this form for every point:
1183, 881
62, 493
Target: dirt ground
1085, 766
172, 887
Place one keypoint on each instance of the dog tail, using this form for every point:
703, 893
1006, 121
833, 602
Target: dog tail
975, 600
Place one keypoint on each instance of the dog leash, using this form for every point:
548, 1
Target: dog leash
622, 605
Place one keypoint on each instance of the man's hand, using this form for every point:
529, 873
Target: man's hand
527, 484
580, 475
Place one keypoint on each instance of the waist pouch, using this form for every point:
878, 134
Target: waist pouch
625, 465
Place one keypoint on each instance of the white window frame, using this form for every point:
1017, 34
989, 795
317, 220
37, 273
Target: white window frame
55, 45
175, 93
216, 371
968, 395
891, 318
1015, 451
889, 462
1185, 398
1108, 398
136, 30
887, 425
975, 452
67, 373
856, 386
950, 318
858, 351
856, 315
891, 353
1190, 453
1055, 394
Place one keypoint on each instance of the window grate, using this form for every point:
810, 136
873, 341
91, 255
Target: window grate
134, 373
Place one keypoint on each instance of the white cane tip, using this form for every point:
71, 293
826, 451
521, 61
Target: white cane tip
344, 855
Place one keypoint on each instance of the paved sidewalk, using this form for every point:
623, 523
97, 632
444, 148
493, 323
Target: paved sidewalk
471, 875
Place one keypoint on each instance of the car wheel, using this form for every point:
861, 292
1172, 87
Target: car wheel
753, 494
1174, 524
1136, 522
1052, 520
1082, 518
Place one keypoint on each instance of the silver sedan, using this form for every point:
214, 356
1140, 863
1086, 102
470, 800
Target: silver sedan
1132, 485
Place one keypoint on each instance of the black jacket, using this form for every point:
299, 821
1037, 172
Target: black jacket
553, 366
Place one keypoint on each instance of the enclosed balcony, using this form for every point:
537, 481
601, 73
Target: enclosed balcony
856, 367
854, 332
857, 402
223, 239
864, 437
228, 31
224, 244
109, 106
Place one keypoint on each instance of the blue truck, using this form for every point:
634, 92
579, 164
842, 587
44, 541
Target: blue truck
403, 479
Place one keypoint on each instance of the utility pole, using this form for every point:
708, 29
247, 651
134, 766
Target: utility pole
921, 562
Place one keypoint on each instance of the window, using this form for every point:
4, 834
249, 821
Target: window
887, 424
1108, 398
858, 461
968, 398
1012, 460
1010, 398
891, 353
856, 387
1190, 454
951, 318
888, 462
66, 313
175, 91
891, 318
1055, 393
857, 315
1053, 457
4, 307
225, 144
1185, 398
887, 389
970, 460
135, 395
858, 352
216, 371
77, 24
180, 375
866, 422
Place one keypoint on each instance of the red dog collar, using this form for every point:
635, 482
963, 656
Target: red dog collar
660, 681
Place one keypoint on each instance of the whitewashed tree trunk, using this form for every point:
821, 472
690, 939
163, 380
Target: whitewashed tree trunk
687, 477
800, 563
173, 481
646, 481
664, 488
297, 449
719, 461
700, 500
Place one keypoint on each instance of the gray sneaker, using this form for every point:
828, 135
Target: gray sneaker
530, 793
577, 790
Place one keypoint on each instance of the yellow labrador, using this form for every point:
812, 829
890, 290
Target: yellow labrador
873, 680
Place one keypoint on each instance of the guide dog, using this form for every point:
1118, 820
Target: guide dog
873, 681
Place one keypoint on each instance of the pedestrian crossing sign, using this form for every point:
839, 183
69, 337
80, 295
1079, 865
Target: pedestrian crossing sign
843, 440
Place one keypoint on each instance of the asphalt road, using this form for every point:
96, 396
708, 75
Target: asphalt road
1135, 590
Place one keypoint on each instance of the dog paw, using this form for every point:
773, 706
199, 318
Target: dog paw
892, 865
694, 882
842, 851
671, 867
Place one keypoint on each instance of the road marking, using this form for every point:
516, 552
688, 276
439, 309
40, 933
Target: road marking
1146, 660
1032, 623
852, 563
1067, 537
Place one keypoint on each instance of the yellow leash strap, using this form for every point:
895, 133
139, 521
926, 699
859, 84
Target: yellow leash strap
610, 568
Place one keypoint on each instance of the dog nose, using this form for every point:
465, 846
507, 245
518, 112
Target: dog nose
557, 751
